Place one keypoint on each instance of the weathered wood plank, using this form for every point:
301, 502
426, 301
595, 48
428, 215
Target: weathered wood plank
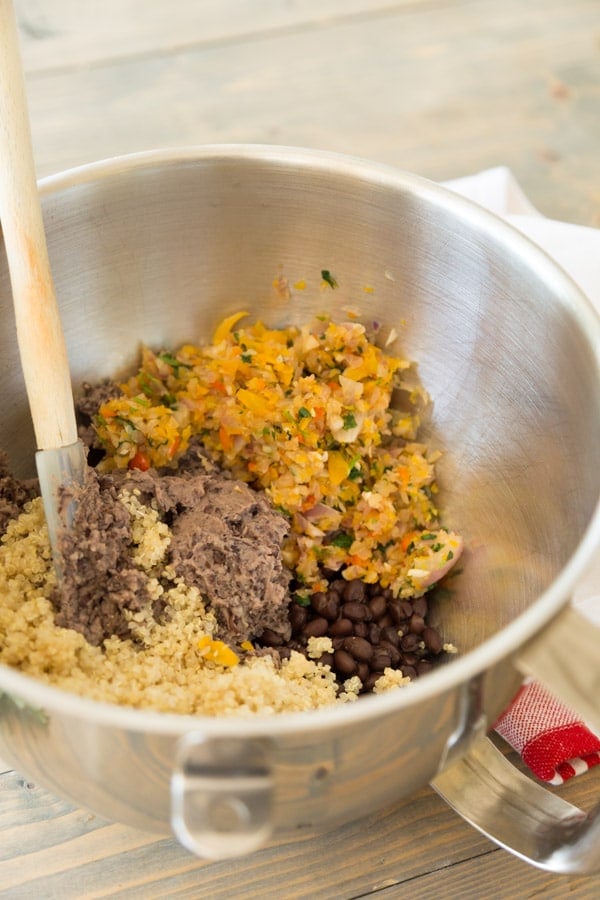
420, 847
70, 33
495, 876
442, 91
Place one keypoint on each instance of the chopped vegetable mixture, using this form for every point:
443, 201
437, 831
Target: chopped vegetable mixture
304, 414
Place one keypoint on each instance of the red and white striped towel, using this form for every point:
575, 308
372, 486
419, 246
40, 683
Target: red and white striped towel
553, 740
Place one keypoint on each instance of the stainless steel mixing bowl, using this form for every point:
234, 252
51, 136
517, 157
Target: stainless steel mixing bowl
158, 247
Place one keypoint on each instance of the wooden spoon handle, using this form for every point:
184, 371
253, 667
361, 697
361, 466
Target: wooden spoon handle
39, 331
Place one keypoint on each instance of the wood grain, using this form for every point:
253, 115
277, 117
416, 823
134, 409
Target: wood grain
414, 849
442, 89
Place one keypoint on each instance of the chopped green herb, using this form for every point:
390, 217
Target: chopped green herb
428, 537
437, 547
304, 413
329, 278
349, 421
173, 361
343, 540
302, 598
383, 547
246, 357
355, 473
169, 400
449, 556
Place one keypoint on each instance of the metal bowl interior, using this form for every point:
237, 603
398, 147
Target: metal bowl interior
158, 247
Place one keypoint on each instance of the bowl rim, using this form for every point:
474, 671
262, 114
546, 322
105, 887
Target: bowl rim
461, 670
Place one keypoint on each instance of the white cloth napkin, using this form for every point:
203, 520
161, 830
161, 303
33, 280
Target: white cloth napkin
552, 739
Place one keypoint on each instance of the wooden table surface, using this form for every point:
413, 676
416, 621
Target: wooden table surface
440, 87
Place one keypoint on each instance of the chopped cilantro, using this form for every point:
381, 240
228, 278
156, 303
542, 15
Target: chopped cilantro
246, 357
428, 537
329, 278
383, 547
343, 540
355, 473
302, 598
349, 421
449, 556
169, 400
173, 361
304, 413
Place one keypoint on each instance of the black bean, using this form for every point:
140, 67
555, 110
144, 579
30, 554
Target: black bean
298, 616
326, 659
410, 659
363, 671
419, 606
271, 638
395, 611
369, 684
409, 642
356, 611
326, 604
344, 663
385, 621
361, 629
316, 627
359, 648
432, 640
408, 671
374, 633
338, 585
341, 627
424, 666
390, 633
380, 660
338, 642
416, 624
394, 653
378, 606
354, 591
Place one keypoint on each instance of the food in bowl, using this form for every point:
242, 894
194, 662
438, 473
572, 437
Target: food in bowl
259, 534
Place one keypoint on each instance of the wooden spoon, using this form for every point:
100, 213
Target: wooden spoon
61, 457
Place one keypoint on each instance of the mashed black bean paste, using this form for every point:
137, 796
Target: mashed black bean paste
225, 540
14, 494
99, 579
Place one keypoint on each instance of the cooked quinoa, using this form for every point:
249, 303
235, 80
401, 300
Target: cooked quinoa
172, 666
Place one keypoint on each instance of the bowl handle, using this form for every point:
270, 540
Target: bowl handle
490, 793
515, 812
